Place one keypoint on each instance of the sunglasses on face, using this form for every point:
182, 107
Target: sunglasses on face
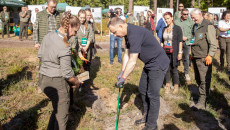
181, 6
185, 14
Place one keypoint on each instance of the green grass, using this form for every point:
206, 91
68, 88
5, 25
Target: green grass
19, 101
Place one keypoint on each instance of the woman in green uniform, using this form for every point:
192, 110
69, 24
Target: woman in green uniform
85, 34
56, 72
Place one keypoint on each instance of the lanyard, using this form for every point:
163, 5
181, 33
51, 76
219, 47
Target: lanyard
60, 35
83, 31
168, 33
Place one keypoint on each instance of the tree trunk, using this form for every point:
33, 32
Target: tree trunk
192, 3
198, 3
208, 3
155, 7
130, 6
171, 3
151, 4
177, 5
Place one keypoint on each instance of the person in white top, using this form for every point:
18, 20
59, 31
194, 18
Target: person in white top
34, 15
224, 39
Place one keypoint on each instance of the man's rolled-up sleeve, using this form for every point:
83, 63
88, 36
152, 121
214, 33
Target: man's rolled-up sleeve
211, 37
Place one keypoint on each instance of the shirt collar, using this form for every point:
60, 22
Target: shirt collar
49, 14
200, 22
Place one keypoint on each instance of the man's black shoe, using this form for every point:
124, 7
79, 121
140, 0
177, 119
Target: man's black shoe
148, 128
141, 121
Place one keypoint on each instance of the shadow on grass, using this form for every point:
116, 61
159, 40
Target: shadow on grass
203, 119
127, 92
26, 119
86, 97
194, 90
219, 103
15, 78
170, 127
115, 53
215, 63
222, 81
182, 78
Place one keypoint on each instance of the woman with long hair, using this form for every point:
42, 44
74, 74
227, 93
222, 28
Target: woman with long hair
85, 36
172, 43
149, 22
55, 72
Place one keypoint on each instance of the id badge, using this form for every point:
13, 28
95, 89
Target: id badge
228, 31
84, 41
192, 41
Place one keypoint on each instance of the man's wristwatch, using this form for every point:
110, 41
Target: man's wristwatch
180, 52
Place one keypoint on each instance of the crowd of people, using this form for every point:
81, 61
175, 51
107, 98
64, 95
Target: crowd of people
190, 37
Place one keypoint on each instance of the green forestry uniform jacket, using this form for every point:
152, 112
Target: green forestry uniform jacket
85, 33
5, 16
205, 40
186, 27
42, 25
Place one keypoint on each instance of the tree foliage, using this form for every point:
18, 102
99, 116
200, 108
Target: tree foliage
204, 4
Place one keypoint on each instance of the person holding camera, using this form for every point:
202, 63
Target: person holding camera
172, 44
116, 13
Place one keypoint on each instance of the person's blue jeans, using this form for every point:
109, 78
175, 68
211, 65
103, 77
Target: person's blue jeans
119, 47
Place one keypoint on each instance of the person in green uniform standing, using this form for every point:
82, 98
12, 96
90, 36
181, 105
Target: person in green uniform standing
55, 72
84, 34
177, 14
203, 46
186, 25
5, 21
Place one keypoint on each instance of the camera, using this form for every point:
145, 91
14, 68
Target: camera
113, 13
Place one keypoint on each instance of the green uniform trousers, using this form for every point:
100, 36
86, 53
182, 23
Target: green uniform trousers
5, 26
224, 44
23, 30
203, 77
57, 89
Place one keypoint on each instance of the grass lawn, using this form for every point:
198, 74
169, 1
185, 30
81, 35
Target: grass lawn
22, 108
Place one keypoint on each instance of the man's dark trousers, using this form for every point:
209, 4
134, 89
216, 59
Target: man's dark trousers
186, 50
23, 30
5, 25
150, 84
203, 77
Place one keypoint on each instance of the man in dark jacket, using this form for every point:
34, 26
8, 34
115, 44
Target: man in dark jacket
203, 46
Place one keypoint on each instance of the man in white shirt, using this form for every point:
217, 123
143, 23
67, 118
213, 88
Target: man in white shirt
224, 39
33, 17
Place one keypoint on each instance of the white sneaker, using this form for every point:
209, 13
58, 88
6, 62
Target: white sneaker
187, 77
